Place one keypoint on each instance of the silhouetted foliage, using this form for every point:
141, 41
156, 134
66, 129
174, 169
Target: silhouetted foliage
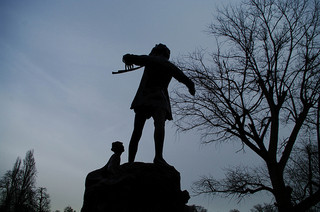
17, 187
68, 209
264, 208
262, 90
196, 208
302, 173
43, 200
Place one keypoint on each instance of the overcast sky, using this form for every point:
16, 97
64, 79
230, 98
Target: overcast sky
58, 95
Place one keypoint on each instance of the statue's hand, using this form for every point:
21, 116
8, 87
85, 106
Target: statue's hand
128, 67
125, 60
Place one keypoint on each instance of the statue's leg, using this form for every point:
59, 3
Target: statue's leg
159, 118
139, 122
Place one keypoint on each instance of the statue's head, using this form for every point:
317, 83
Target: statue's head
160, 50
117, 147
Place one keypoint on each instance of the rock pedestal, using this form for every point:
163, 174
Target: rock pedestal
135, 187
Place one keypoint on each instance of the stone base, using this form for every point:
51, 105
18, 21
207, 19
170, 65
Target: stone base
135, 187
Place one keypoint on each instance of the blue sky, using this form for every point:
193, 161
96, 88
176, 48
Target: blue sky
58, 95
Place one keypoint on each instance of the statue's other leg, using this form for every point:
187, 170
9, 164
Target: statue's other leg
159, 118
139, 122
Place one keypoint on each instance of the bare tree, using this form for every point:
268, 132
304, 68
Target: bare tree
43, 200
302, 173
27, 190
9, 186
17, 188
262, 90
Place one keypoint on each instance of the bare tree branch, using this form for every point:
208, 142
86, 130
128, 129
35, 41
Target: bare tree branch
262, 88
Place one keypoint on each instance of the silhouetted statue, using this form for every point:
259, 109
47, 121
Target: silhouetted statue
95, 177
114, 161
152, 99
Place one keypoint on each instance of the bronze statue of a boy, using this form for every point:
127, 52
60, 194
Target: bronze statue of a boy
152, 99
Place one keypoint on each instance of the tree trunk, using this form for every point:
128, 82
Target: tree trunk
281, 193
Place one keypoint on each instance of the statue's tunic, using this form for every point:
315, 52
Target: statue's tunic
153, 88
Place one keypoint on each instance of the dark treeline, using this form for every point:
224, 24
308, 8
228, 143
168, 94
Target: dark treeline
18, 191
